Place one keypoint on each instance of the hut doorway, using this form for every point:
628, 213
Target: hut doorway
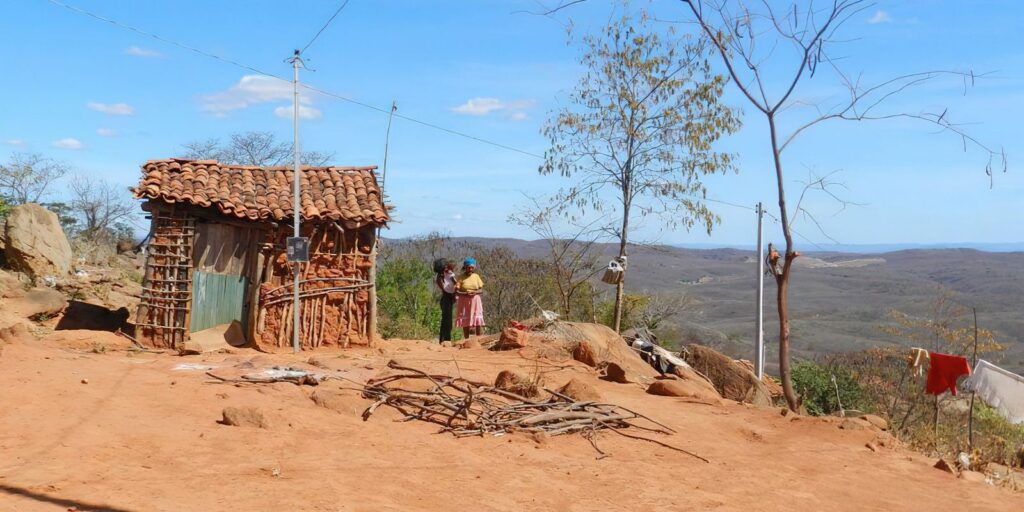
222, 276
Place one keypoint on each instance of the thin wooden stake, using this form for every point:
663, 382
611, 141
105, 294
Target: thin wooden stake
974, 363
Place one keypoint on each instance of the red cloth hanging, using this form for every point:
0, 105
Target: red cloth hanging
944, 372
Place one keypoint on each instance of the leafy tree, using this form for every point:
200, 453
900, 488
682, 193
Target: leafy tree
261, 149
406, 300
638, 134
820, 394
27, 177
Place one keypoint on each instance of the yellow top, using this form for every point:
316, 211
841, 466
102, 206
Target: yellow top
470, 283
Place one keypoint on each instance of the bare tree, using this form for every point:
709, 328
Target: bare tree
100, 206
663, 306
762, 45
27, 177
639, 130
260, 149
574, 256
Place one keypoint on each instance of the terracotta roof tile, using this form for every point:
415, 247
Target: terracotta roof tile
336, 193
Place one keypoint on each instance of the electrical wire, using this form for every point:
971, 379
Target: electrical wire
346, 99
160, 38
321, 31
288, 80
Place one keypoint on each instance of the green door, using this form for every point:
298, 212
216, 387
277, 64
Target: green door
217, 299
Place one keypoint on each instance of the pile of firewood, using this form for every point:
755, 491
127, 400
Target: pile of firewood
466, 408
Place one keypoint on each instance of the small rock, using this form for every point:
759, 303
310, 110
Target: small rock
972, 476
870, 445
579, 390
470, 343
670, 388
854, 424
314, 361
876, 421
516, 383
85, 381
512, 338
244, 417
941, 464
615, 373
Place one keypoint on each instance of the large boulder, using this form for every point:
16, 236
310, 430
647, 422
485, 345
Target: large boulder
731, 379
598, 346
35, 243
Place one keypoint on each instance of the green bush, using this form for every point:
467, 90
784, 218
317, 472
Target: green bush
408, 304
813, 382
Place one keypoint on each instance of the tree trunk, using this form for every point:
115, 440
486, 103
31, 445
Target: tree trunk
782, 278
620, 288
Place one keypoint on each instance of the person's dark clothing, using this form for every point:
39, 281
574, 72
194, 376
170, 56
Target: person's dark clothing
447, 311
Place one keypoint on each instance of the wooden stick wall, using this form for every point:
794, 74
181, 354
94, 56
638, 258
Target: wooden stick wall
334, 290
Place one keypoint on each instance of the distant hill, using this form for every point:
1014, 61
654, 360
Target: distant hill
839, 300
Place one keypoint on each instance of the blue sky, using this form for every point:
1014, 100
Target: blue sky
105, 100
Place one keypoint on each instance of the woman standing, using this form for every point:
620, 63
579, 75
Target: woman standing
470, 305
445, 281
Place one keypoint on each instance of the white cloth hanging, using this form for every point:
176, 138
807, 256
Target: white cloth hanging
1001, 389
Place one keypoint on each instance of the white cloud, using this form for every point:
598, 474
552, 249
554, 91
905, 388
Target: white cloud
485, 106
68, 143
304, 112
14, 142
106, 132
518, 116
254, 90
880, 17
135, 51
114, 109
457, 216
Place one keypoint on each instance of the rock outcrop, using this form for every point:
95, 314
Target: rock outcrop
730, 379
35, 243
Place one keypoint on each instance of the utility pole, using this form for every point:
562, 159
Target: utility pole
294, 247
759, 348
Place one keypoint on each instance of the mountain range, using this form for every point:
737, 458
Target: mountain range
839, 301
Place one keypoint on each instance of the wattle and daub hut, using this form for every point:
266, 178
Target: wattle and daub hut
216, 253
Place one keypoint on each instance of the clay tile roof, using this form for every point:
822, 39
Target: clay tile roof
348, 194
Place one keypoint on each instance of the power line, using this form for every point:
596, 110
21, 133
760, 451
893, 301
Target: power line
160, 38
321, 31
324, 92
795, 232
424, 123
124, 26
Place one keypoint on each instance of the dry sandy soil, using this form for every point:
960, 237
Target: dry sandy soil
86, 424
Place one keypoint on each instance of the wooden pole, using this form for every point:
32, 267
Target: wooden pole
372, 303
974, 362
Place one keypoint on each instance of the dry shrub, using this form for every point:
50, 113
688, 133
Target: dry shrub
936, 426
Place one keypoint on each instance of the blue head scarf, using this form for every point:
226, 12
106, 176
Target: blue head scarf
469, 262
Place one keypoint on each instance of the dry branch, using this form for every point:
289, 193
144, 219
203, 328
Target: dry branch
466, 408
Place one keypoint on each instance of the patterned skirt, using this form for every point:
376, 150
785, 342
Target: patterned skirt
469, 311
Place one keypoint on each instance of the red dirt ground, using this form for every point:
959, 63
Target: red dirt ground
141, 436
